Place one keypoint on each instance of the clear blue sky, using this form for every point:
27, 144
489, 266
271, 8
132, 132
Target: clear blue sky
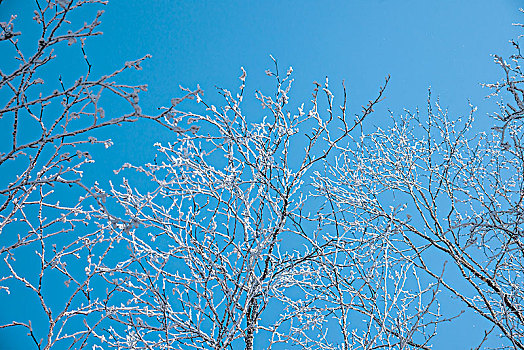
445, 44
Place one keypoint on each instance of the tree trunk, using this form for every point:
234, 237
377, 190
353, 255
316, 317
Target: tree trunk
251, 321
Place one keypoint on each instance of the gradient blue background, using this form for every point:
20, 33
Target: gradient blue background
443, 44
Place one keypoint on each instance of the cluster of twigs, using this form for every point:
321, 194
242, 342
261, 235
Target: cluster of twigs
297, 228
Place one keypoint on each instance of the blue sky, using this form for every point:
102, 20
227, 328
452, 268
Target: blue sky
443, 44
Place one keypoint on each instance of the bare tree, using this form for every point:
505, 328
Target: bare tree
450, 195
47, 120
295, 228
229, 243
